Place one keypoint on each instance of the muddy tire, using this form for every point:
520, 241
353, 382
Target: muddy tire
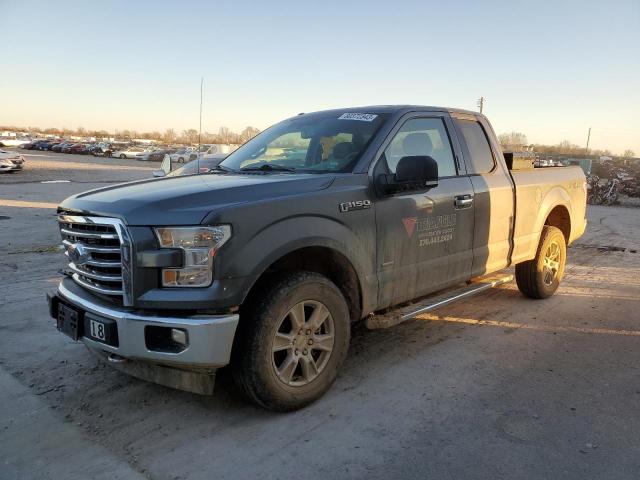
291, 341
540, 277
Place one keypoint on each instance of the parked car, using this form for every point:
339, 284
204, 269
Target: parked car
58, 148
67, 148
43, 144
205, 165
105, 149
78, 148
10, 161
53, 143
30, 145
184, 155
215, 149
144, 155
14, 142
128, 152
321, 220
158, 155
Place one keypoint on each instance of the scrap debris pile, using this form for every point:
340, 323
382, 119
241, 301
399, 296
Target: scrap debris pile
611, 181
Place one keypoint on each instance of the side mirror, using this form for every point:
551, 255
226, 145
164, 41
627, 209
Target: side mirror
166, 165
158, 173
412, 173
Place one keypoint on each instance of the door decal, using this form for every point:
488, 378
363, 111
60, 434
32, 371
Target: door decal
431, 230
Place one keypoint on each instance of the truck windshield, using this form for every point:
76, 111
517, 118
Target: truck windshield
316, 143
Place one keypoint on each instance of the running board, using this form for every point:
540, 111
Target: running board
402, 314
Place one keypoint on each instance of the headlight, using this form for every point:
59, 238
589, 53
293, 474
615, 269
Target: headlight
200, 245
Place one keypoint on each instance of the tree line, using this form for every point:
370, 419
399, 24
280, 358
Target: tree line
518, 140
190, 136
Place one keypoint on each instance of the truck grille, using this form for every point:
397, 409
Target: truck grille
99, 251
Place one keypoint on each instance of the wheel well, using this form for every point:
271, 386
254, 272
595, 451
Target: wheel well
559, 217
325, 261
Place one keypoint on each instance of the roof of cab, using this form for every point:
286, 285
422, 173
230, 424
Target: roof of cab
396, 109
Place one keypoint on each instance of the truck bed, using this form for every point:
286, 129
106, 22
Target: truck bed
542, 190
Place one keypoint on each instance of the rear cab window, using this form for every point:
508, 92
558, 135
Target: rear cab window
479, 158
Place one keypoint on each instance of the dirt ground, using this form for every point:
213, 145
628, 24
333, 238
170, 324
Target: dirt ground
498, 386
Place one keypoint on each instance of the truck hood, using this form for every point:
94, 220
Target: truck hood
187, 200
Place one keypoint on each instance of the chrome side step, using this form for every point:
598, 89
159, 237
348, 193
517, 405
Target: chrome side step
402, 314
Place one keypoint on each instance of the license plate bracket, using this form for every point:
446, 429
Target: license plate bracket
69, 321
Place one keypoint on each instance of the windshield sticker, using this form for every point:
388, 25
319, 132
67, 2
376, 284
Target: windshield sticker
363, 117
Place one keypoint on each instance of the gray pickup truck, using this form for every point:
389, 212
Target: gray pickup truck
322, 220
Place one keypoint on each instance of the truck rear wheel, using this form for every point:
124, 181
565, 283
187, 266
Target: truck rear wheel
291, 342
540, 277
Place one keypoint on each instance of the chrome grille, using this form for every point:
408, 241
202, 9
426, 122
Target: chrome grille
99, 251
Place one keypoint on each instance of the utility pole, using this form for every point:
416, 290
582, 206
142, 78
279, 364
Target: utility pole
588, 138
481, 103
200, 129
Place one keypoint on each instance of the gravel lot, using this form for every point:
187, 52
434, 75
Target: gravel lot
499, 386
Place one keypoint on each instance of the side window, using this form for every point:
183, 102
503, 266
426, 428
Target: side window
422, 136
481, 160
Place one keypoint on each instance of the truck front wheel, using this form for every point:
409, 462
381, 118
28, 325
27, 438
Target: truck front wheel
540, 277
291, 342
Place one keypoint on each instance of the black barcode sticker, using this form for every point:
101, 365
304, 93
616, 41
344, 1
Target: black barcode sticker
363, 117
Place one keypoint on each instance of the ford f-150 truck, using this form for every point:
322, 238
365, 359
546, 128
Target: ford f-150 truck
319, 221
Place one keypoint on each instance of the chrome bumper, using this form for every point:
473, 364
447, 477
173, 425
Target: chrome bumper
210, 337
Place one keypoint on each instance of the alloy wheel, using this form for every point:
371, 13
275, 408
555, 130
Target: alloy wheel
551, 263
303, 343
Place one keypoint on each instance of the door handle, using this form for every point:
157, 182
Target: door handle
463, 201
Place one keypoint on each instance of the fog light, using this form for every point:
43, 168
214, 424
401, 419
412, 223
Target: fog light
179, 336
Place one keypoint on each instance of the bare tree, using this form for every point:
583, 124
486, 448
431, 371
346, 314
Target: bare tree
247, 134
169, 135
628, 153
224, 135
190, 136
513, 139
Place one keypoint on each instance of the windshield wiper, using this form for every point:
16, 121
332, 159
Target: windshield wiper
221, 168
268, 167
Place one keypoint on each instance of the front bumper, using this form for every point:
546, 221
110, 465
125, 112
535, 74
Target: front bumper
11, 168
210, 337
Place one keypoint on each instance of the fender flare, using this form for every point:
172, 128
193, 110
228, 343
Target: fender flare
556, 197
284, 237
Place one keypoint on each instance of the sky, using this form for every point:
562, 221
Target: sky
549, 69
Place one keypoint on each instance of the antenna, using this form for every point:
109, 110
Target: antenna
200, 129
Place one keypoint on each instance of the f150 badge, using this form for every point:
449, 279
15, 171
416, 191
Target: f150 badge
354, 205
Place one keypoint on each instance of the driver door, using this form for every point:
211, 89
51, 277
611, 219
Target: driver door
425, 237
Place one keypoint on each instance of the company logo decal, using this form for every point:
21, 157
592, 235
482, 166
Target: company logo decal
410, 225
430, 230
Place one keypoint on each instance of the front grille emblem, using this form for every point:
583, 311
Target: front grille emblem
77, 253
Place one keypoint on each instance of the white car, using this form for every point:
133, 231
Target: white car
10, 161
183, 155
13, 142
131, 152
144, 154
